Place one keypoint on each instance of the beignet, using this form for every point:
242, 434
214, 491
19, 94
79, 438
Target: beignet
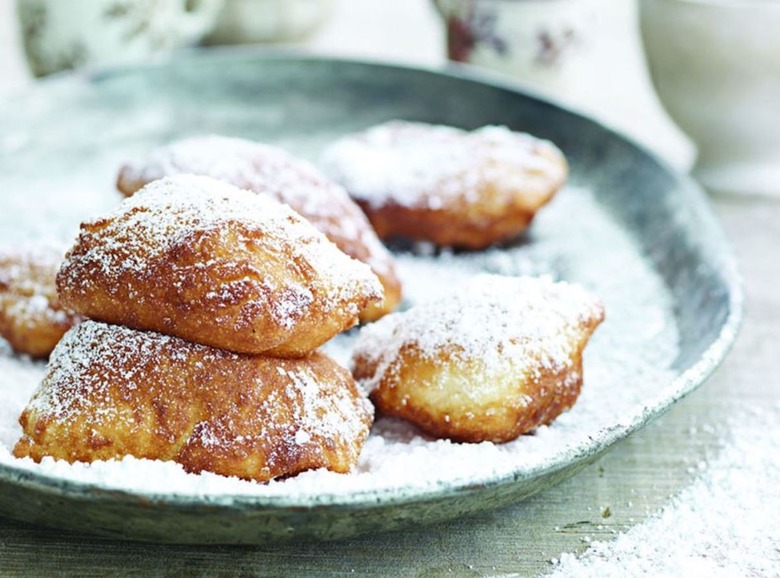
111, 391
193, 257
445, 185
270, 170
489, 363
32, 319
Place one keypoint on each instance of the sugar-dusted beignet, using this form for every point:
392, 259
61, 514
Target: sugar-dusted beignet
31, 317
112, 391
445, 185
270, 170
193, 257
489, 363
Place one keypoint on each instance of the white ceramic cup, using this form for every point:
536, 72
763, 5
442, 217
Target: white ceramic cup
715, 65
64, 34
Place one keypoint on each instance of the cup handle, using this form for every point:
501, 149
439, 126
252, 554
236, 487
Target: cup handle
198, 17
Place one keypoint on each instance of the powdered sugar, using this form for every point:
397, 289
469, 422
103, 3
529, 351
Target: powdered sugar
155, 218
267, 170
525, 323
425, 166
31, 316
147, 394
245, 164
626, 366
168, 212
72, 363
28, 271
722, 525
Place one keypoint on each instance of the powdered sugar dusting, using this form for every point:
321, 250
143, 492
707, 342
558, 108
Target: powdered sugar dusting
722, 525
626, 367
19, 377
166, 212
248, 165
28, 271
115, 375
270, 170
316, 417
425, 166
71, 365
525, 323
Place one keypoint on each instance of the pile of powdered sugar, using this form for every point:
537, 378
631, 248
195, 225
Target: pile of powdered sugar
723, 525
626, 367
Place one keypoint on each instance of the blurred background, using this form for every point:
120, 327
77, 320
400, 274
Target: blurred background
714, 63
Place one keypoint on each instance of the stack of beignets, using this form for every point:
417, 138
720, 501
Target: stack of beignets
32, 319
498, 358
218, 298
265, 169
445, 185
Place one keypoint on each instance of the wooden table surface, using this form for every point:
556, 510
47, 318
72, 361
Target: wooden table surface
636, 479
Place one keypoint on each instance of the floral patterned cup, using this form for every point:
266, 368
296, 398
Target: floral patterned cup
557, 46
63, 34
535, 37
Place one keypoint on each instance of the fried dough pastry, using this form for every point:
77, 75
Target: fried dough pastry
199, 259
31, 317
445, 185
486, 364
111, 391
269, 170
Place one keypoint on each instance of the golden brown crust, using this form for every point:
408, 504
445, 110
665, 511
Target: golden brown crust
199, 259
112, 391
32, 319
521, 368
446, 186
459, 224
518, 404
269, 170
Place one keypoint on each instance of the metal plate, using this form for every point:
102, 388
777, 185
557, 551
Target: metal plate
60, 146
